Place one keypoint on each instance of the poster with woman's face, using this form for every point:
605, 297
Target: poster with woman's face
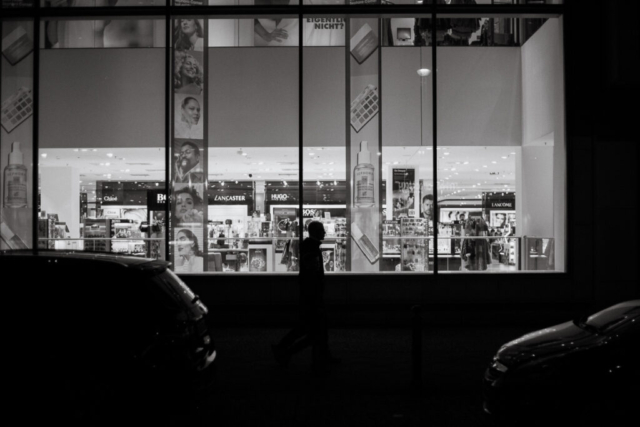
500, 219
188, 116
187, 162
188, 72
188, 205
187, 254
188, 34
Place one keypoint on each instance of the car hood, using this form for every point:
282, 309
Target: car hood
560, 339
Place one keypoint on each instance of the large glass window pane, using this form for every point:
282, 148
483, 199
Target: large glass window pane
235, 159
102, 137
501, 155
367, 144
16, 149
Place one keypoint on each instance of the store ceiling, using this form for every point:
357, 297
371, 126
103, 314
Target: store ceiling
464, 172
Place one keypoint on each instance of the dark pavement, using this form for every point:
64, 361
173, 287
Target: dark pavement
371, 387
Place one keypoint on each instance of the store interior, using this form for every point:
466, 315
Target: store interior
466, 174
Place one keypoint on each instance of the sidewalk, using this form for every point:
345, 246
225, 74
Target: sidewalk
371, 387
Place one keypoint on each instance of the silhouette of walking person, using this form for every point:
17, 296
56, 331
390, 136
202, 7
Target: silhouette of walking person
311, 329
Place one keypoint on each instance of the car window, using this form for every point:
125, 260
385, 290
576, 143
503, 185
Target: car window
615, 317
175, 288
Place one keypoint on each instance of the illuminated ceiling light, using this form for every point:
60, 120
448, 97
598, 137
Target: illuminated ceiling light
94, 150
446, 154
395, 163
312, 154
75, 149
107, 164
44, 155
484, 166
108, 154
465, 163
504, 157
423, 72
494, 162
379, 153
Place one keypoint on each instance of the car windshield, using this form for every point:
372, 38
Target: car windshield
175, 287
615, 317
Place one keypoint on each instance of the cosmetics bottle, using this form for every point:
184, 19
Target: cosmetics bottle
363, 176
15, 179
364, 243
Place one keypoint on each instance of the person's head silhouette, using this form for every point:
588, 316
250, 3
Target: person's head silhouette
316, 230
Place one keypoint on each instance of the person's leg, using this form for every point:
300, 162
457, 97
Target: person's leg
320, 339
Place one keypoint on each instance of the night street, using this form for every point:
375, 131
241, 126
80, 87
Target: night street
371, 387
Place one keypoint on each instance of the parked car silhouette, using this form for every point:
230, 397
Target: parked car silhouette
90, 331
582, 369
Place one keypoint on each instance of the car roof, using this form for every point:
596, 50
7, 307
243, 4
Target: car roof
135, 263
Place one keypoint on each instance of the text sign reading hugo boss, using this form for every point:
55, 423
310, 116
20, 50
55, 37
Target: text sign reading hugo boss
279, 197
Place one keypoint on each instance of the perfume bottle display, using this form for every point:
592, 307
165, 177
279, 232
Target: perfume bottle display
363, 177
15, 179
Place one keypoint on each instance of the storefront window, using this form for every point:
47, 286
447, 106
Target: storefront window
235, 138
16, 150
500, 132
270, 122
101, 139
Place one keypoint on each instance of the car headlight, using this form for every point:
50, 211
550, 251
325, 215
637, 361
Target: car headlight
499, 366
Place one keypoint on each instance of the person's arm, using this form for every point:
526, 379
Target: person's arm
278, 34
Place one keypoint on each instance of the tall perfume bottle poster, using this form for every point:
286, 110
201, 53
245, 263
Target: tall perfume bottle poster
363, 145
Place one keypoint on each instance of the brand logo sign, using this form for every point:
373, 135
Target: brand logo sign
239, 198
308, 213
501, 204
110, 198
280, 197
156, 200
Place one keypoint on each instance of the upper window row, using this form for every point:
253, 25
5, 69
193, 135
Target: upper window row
125, 3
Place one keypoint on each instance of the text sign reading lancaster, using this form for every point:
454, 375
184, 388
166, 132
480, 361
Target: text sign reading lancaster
219, 198
231, 198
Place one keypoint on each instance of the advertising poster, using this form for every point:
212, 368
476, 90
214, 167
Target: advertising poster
257, 260
188, 161
363, 145
403, 193
502, 219
188, 116
188, 73
188, 35
188, 205
457, 215
188, 202
324, 31
189, 255
16, 45
328, 260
